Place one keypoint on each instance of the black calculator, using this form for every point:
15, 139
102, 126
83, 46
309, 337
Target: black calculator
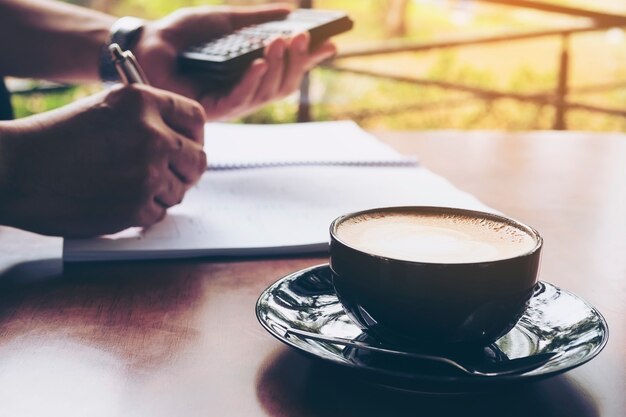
223, 61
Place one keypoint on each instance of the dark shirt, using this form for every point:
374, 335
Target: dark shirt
6, 111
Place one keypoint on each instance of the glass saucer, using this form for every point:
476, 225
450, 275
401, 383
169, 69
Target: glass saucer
555, 321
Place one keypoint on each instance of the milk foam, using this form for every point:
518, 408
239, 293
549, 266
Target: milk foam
435, 238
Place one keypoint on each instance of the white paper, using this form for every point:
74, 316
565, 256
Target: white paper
265, 211
281, 203
317, 143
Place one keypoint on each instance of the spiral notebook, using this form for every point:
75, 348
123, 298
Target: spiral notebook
266, 194
236, 146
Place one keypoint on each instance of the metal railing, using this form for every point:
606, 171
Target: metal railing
558, 97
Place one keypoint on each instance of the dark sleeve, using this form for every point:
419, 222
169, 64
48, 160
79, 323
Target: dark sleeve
6, 111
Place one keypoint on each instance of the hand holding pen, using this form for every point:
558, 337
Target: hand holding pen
116, 159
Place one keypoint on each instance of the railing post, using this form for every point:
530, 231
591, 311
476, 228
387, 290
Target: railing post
304, 106
560, 105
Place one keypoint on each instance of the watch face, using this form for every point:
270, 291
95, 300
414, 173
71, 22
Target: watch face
126, 31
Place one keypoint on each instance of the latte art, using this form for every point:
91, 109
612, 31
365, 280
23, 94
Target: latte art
435, 237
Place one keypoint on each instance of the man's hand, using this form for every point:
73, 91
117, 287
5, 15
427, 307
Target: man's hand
102, 164
276, 76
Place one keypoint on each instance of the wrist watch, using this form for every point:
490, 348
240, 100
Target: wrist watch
125, 32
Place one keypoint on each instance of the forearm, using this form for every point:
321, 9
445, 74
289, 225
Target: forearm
51, 40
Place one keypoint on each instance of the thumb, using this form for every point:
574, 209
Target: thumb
194, 25
254, 15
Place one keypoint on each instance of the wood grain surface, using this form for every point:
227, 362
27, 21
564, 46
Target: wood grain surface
181, 338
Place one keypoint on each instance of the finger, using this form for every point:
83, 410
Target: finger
186, 160
272, 80
195, 25
325, 51
254, 15
181, 114
296, 62
152, 212
300, 60
171, 192
240, 96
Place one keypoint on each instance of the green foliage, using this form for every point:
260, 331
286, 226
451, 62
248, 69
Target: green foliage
26, 105
154, 9
526, 79
279, 112
379, 103
448, 68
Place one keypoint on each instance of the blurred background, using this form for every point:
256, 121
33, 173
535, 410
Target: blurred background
440, 64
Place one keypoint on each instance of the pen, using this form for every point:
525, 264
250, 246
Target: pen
127, 66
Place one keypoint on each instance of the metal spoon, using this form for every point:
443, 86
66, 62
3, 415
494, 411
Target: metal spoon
513, 366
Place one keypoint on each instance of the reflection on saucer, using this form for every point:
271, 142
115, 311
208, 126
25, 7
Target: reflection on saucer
555, 321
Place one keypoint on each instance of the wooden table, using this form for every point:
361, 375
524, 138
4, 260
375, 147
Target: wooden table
181, 338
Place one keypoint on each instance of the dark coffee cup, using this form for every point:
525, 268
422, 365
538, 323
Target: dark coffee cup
433, 275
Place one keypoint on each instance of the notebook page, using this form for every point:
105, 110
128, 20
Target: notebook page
316, 143
267, 211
